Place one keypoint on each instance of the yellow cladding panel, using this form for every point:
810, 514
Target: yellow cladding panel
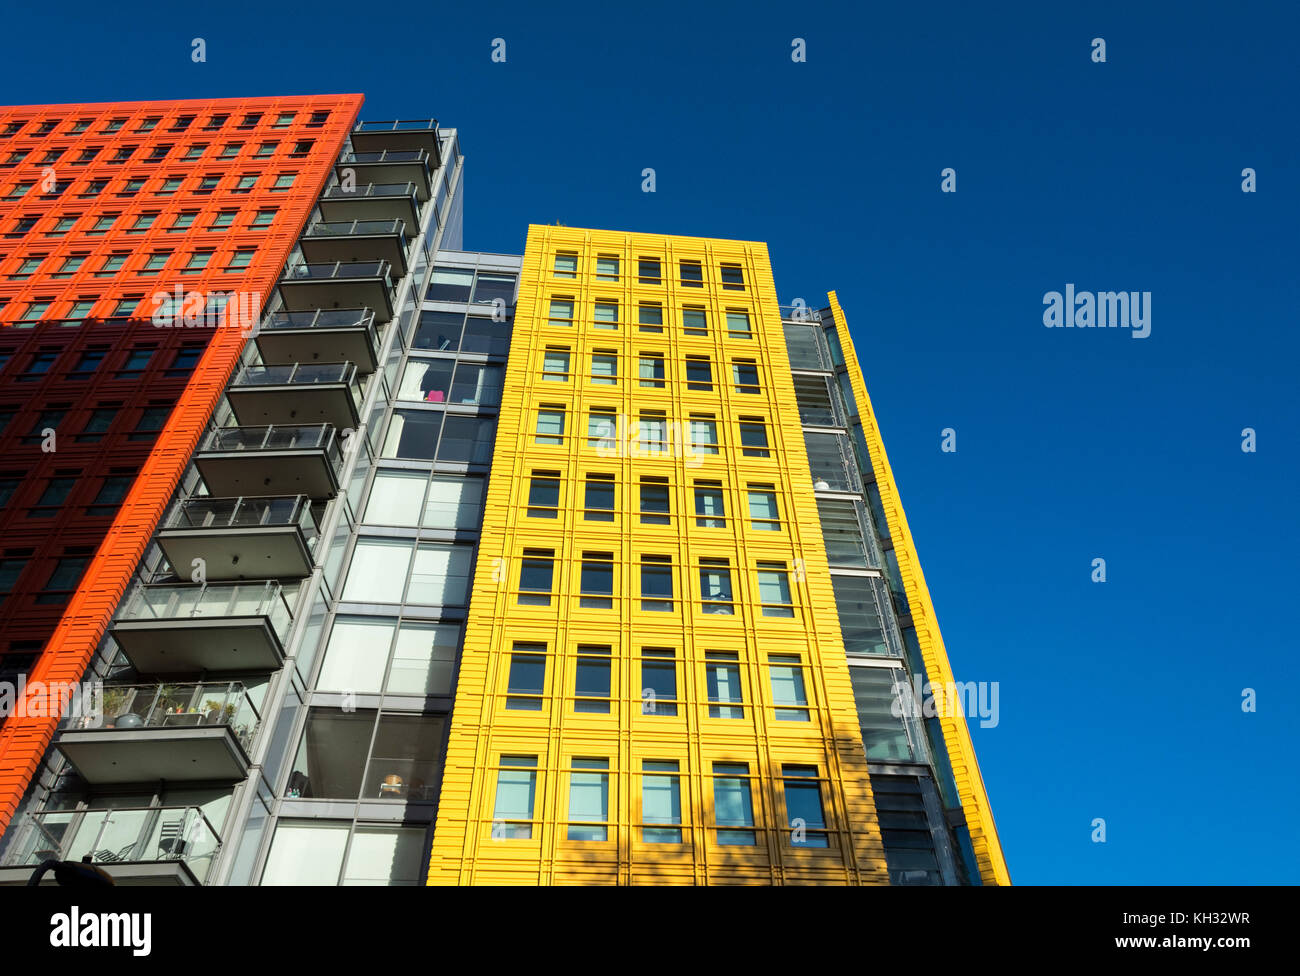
961, 751
654, 688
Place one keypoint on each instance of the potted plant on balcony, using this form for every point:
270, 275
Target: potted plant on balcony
114, 701
219, 714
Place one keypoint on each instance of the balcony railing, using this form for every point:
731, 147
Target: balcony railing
833, 465
806, 345
123, 835
264, 598
297, 374
156, 706
799, 313
340, 270
386, 156
399, 125
355, 228
339, 192
315, 437
205, 512
323, 318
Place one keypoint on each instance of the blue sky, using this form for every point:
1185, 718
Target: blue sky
1119, 700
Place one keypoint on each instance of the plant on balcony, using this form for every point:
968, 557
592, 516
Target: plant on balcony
167, 700
218, 713
115, 700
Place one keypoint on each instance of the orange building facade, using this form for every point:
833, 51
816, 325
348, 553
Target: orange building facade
138, 241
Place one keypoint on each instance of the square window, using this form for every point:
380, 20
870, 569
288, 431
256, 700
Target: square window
753, 437
596, 584
738, 324
589, 799
516, 795
537, 570
605, 314
527, 677
763, 512
661, 803
648, 271
651, 373
655, 501
692, 274
566, 265
598, 498
699, 373
602, 428
745, 374
658, 681
789, 697
710, 511
733, 804
555, 364
591, 684
803, 806
722, 677
607, 267
733, 277
715, 587
561, 312
774, 590
650, 318
656, 583
695, 320
704, 434
544, 494
550, 424
604, 368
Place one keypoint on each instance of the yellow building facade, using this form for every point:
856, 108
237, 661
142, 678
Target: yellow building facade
653, 688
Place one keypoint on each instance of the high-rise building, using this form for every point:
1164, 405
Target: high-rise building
387, 562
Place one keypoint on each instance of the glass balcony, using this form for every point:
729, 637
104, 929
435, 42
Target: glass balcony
395, 165
806, 346
333, 335
204, 627
136, 845
357, 241
818, 402
402, 134
328, 393
241, 538
290, 460
833, 466
371, 201
173, 732
799, 313
343, 284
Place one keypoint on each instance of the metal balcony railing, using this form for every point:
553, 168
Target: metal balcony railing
806, 345
338, 270
399, 125
314, 437
833, 466
254, 377
205, 512
263, 598
297, 374
186, 705
322, 318
339, 192
799, 313
386, 156
355, 228
123, 835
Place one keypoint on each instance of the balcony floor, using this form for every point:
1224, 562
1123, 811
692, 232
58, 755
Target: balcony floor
189, 645
239, 552
172, 753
